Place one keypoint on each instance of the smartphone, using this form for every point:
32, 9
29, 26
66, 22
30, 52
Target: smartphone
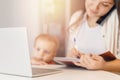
102, 19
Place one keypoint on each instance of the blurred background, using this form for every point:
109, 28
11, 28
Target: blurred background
40, 16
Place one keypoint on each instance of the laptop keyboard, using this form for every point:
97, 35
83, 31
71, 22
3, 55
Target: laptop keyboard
43, 71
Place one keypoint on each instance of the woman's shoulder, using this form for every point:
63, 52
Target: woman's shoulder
77, 15
75, 20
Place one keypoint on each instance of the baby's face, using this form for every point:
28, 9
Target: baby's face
44, 50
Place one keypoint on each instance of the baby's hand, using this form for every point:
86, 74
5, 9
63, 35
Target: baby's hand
36, 62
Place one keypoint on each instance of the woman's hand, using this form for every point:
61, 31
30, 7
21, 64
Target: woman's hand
75, 53
91, 61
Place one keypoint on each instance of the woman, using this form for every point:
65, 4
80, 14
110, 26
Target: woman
95, 31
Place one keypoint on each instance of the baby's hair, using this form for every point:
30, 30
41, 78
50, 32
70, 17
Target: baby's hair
49, 38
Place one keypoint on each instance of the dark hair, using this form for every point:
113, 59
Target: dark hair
117, 2
102, 19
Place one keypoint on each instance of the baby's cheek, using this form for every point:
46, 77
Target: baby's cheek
35, 53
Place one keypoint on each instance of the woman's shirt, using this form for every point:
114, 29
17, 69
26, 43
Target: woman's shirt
109, 30
90, 40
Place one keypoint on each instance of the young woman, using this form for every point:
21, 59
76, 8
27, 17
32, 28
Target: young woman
95, 31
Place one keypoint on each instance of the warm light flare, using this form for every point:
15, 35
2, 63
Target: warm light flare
52, 7
48, 6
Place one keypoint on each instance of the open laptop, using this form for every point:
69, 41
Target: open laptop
14, 54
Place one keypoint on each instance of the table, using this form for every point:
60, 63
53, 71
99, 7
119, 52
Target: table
69, 74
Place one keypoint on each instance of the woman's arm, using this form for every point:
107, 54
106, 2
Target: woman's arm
96, 62
112, 65
71, 30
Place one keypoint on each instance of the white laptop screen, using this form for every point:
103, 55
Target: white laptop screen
14, 51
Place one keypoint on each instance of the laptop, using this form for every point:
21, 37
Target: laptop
14, 54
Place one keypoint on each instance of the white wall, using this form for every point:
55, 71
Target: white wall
26, 13
21, 13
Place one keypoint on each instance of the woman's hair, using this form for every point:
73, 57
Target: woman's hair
102, 19
117, 2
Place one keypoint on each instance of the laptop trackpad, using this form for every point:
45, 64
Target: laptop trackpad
37, 72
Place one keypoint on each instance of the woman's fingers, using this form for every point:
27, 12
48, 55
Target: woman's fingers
85, 61
82, 62
78, 64
91, 61
75, 53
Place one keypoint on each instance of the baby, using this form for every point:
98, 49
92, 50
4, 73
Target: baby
45, 48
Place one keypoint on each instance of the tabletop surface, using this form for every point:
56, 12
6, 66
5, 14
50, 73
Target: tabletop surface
68, 74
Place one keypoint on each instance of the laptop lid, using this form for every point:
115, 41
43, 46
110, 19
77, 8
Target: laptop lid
14, 51
14, 54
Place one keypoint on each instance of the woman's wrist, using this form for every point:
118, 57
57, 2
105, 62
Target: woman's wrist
108, 66
105, 66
